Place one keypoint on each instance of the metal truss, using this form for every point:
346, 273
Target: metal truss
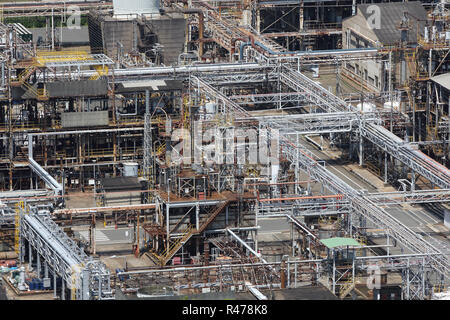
361, 204
270, 98
76, 60
313, 91
313, 123
420, 163
239, 78
88, 279
436, 173
412, 197
316, 207
224, 105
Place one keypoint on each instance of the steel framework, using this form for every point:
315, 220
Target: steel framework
87, 279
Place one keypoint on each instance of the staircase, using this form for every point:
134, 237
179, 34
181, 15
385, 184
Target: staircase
41, 94
218, 209
173, 248
346, 288
24, 75
176, 245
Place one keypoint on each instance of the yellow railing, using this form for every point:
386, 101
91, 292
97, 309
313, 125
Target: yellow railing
362, 241
101, 71
42, 94
160, 150
131, 120
174, 247
44, 57
346, 288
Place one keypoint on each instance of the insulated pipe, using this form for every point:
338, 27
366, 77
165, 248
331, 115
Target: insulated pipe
167, 70
246, 245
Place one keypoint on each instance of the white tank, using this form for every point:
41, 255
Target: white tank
210, 107
135, 7
130, 169
366, 107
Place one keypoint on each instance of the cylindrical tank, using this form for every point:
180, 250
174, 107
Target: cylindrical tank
130, 169
134, 7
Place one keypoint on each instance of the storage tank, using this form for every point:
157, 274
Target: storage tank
135, 7
130, 169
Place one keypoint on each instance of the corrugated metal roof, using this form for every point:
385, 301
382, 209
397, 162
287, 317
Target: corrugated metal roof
443, 80
339, 242
152, 85
83, 88
391, 15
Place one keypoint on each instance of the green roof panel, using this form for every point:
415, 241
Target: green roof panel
339, 242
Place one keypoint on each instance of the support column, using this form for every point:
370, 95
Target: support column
361, 150
385, 168
387, 243
197, 220
200, 35
38, 264
54, 285
30, 256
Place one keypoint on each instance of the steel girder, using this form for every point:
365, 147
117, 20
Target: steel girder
420, 163
412, 197
89, 278
312, 123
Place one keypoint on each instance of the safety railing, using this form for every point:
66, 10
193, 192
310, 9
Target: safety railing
168, 253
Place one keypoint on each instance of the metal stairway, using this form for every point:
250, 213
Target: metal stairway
176, 245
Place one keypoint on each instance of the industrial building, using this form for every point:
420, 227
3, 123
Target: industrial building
243, 149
